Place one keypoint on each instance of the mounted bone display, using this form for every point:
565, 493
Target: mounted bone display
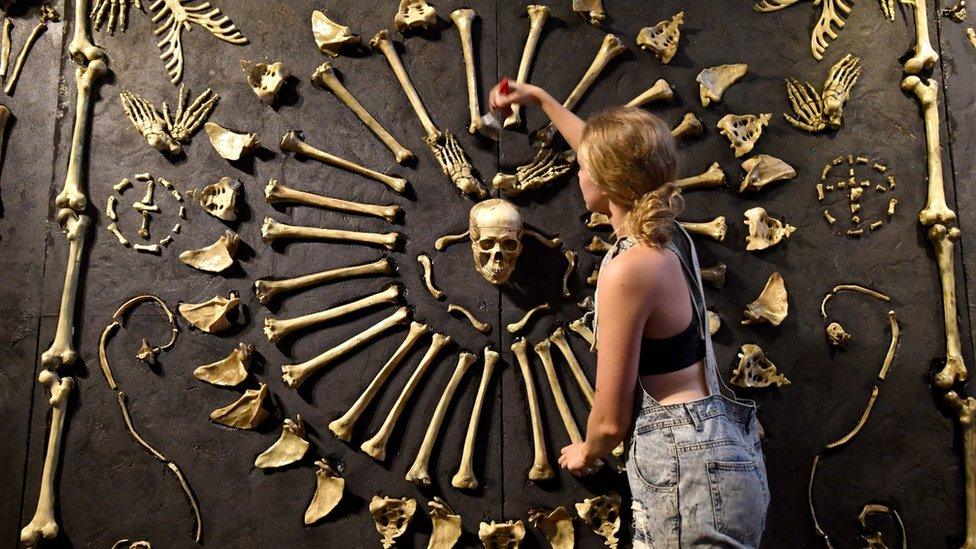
815, 111
495, 230
556, 525
329, 487
446, 525
771, 306
602, 514
413, 15
265, 79
216, 257
762, 169
712, 82
501, 535
755, 370
210, 316
392, 516
331, 36
743, 131
764, 230
290, 447
173, 16
219, 199
231, 145
229, 371
247, 412
662, 39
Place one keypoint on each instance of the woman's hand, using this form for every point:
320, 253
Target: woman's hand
575, 459
522, 94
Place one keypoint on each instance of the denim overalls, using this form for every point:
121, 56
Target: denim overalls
696, 470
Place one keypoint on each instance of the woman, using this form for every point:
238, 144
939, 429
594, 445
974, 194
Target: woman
695, 465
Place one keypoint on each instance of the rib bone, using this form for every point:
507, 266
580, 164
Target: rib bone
275, 329
712, 177
518, 326
925, 55
375, 447
418, 473
482, 327
936, 210
570, 267
464, 478
266, 289
295, 374
61, 352
955, 369
541, 469
73, 194
275, 193
537, 19
292, 141
324, 77
342, 427
271, 231
463, 18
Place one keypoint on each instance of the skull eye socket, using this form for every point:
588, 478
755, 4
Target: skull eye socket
510, 245
486, 243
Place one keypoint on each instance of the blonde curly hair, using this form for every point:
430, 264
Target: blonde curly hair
630, 154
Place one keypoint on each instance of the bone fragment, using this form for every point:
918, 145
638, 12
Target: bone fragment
538, 15
392, 515
428, 276
328, 492
556, 525
517, 327
210, 316
502, 535
570, 256
926, 92
690, 126
216, 257
62, 352
925, 56
275, 193
271, 231
47, 13
73, 194
247, 412
342, 426
837, 336
660, 91
229, 371
482, 327
446, 525
290, 447
292, 141
465, 478
582, 329
714, 322
712, 177
231, 145
463, 19
714, 229
5, 46
418, 473
598, 220
295, 374
267, 290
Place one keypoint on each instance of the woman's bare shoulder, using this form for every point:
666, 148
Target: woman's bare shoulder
637, 267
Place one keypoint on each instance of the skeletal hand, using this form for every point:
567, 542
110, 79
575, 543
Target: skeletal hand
574, 458
520, 94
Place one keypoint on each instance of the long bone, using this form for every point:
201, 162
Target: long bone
73, 194
580, 328
610, 47
292, 141
375, 447
925, 55
295, 374
966, 410
714, 229
266, 289
48, 13
5, 45
342, 426
275, 193
463, 19
418, 473
541, 469
955, 368
443, 145
44, 524
81, 48
61, 352
324, 77
712, 177
689, 126
275, 328
464, 478
537, 19
927, 93
271, 231
660, 91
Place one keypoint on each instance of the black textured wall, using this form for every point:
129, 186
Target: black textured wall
907, 455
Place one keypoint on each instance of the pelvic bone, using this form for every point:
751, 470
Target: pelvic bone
518, 326
537, 19
61, 352
463, 19
392, 515
276, 329
231, 145
342, 427
815, 112
689, 126
428, 276
246, 412
936, 210
712, 177
418, 473
501, 535
44, 522
264, 79
582, 329
943, 240
482, 327
714, 275
47, 13
762, 169
219, 199
210, 316
331, 36
602, 514
755, 370
73, 194
271, 231
771, 305
174, 16
743, 131
541, 469
660, 91
446, 526
925, 55
81, 49
216, 257
229, 371
328, 492
610, 47
165, 133
292, 141
591, 10
714, 229
415, 14
713, 81
275, 193
375, 447
764, 230
290, 447
267, 290
295, 374
464, 478
556, 525
324, 77
545, 167
662, 39
570, 256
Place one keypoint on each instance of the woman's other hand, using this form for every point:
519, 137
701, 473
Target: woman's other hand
575, 459
522, 94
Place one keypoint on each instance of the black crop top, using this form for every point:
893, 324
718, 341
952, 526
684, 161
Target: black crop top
661, 356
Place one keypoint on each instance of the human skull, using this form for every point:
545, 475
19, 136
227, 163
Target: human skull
496, 238
266, 80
